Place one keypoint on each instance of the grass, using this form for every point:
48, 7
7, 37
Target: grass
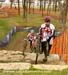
34, 72
32, 20
4, 28
7, 23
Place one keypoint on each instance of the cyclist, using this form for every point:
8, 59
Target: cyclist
46, 35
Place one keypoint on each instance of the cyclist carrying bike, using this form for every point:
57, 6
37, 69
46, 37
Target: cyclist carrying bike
46, 32
30, 37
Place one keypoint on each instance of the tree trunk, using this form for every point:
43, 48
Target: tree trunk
63, 13
11, 3
29, 6
18, 7
33, 7
42, 10
24, 9
55, 5
40, 5
49, 8
44, 4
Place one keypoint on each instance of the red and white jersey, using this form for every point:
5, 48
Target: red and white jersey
46, 32
30, 36
34, 42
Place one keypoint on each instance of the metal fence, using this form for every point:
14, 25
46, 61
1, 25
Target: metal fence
8, 37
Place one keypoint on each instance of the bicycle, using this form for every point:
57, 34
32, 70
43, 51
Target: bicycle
36, 46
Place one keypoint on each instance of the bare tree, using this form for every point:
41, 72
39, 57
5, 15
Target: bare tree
40, 4
24, 9
29, 6
44, 4
49, 7
63, 14
11, 3
33, 6
42, 9
55, 5
18, 7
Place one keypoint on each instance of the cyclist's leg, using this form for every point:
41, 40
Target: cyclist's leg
49, 46
45, 51
42, 47
31, 46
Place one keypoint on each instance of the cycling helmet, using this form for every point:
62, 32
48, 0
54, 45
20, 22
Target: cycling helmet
47, 19
32, 31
